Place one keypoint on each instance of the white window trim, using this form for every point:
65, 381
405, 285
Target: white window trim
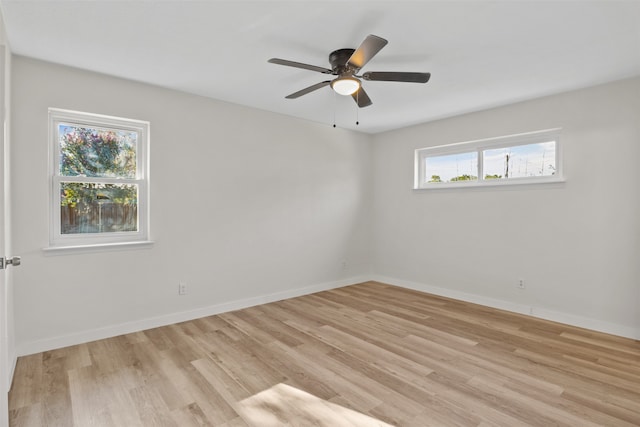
485, 144
81, 242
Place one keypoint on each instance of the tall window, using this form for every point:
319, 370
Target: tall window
515, 159
99, 182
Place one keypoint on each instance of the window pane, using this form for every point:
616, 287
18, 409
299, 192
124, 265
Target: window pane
98, 208
97, 152
452, 168
520, 161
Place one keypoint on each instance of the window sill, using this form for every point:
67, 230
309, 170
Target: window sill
490, 183
104, 247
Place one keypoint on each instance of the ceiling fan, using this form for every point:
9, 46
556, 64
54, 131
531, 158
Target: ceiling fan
346, 63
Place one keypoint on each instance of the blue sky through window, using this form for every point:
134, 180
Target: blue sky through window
521, 161
451, 166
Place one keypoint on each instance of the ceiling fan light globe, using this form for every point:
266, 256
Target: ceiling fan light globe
345, 85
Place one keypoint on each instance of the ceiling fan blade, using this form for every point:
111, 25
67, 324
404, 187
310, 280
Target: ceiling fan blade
361, 98
367, 50
308, 89
299, 65
393, 76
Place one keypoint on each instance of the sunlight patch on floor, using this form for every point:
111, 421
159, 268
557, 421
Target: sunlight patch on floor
284, 405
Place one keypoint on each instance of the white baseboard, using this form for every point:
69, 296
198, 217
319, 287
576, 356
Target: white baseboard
539, 312
26, 348
23, 349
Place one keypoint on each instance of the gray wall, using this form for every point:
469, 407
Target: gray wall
574, 243
246, 206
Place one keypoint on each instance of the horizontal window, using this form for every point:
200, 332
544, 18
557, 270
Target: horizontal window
515, 159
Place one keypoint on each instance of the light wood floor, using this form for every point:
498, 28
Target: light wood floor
364, 355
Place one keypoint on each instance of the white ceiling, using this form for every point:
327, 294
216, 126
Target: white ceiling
481, 54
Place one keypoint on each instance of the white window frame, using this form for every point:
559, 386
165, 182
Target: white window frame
59, 241
479, 146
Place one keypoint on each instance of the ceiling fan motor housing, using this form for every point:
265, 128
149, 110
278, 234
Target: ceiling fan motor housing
338, 60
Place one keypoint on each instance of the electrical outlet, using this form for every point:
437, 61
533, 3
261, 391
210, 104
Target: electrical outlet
521, 284
182, 288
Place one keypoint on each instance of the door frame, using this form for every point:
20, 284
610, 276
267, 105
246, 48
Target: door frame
7, 348
4, 276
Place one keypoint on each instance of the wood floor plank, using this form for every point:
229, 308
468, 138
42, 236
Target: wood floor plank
55, 388
27, 382
190, 416
364, 355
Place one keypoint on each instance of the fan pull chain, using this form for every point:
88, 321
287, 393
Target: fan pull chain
357, 107
334, 109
